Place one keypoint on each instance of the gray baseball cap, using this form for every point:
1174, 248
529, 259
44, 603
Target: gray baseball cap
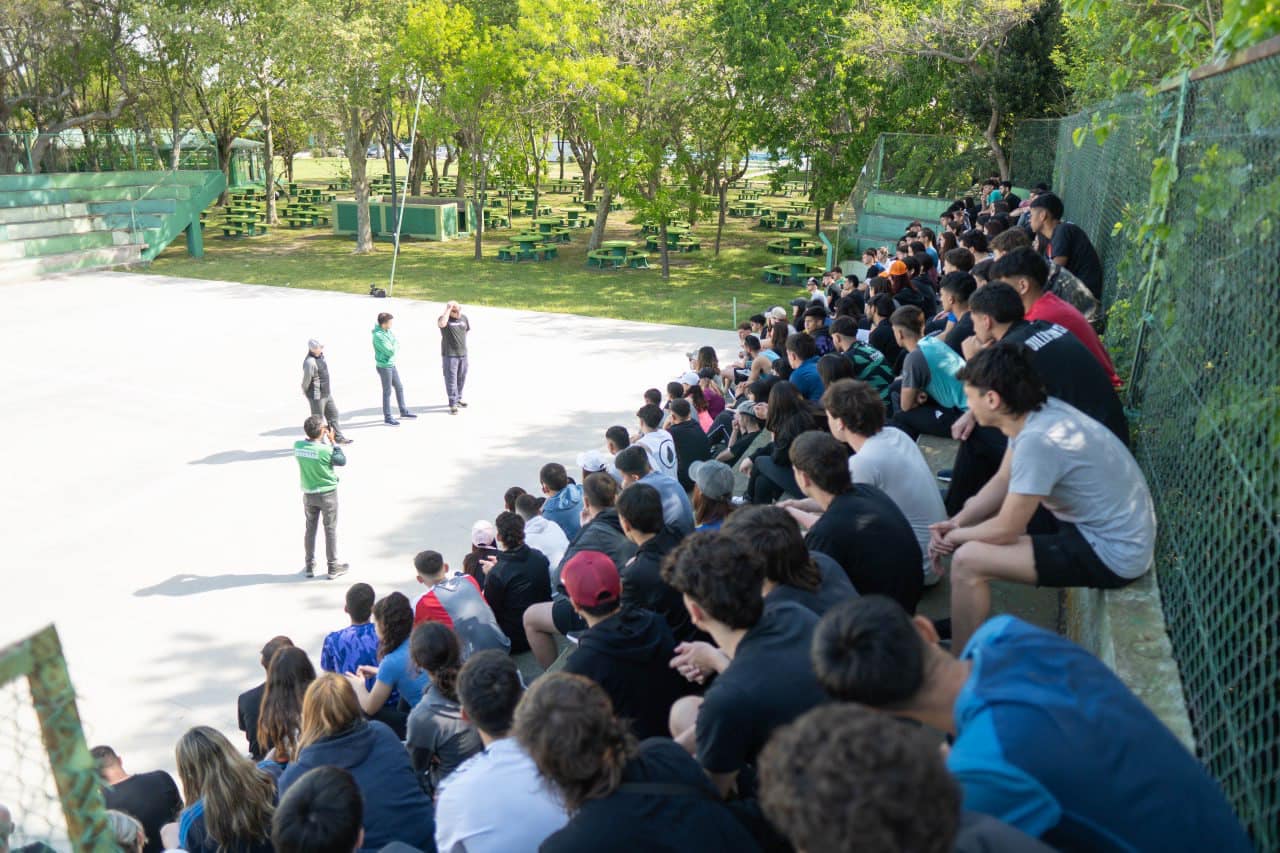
714, 478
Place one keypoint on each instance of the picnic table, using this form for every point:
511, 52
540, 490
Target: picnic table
573, 215
617, 248
795, 244
547, 223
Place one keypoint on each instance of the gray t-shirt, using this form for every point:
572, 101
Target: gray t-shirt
915, 370
1085, 476
453, 337
892, 462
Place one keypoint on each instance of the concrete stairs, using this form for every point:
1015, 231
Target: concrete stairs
64, 222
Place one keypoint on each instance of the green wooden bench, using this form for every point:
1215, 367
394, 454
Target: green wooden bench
688, 244
561, 235
638, 261
605, 259
296, 220
508, 253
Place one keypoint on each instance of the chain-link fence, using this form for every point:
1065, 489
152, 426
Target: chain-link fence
49, 791
1031, 153
1180, 192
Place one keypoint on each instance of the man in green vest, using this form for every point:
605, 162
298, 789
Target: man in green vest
317, 456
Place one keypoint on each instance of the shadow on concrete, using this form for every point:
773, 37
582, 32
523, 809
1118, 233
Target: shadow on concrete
187, 584
228, 456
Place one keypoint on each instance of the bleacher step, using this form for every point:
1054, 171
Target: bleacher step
97, 258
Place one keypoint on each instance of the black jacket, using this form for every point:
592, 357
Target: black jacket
522, 577
247, 706
685, 813
629, 655
643, 586
603, 533
691, 446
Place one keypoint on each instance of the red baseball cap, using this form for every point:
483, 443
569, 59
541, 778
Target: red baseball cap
591, 578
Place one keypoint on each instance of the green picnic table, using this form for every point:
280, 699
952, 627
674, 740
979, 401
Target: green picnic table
797, 265
617, 248
573, 215
546, 223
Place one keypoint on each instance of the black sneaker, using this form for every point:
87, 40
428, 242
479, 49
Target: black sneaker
391, 422
462, 404
337, 570
308, 572
944, 475
342, 439
409, 415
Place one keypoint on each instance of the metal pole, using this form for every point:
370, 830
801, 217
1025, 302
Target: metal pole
413, 136
735, 312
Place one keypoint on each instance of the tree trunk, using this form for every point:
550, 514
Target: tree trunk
224, 143
723, 192
602, 216
537, 172
478, 209
1002, 162
175, 128
356, 147
560, 148
448, 159
664, 253
461, 191
269, 153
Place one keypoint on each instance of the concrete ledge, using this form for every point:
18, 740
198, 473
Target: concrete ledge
1125, 628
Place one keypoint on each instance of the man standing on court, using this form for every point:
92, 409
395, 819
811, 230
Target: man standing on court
315, 387
317, 457
385, 346
453, 352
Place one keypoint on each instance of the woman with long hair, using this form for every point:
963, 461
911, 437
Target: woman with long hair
393, 620
701, 408
439, 739
336, 734
832, 367
229, 802
280, 714
769, 468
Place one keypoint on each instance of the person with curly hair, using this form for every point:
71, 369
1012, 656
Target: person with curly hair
761, 656
842, 771
229, 802
625, 795
393, 620
439, 737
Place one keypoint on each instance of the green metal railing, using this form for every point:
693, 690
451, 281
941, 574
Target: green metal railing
50, 783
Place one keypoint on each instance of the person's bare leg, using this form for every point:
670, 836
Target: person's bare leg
973, 566
683, 720
541, 632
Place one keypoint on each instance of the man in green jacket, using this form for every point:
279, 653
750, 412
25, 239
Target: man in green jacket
317, 457
384, 356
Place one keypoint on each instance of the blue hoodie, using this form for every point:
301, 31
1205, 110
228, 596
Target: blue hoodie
395, 808
565, 509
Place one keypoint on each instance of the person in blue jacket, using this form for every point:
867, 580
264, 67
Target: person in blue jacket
1047, 738
336, 734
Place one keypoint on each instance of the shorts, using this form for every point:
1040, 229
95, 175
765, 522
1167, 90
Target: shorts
1066, 559
565, 618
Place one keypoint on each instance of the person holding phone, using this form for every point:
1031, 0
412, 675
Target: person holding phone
454, 326
317, 456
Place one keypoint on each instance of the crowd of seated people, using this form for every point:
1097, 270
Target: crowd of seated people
681, 641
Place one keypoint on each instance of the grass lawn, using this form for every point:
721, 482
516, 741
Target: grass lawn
700, 291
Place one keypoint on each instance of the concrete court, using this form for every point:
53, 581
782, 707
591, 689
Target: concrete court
152, 508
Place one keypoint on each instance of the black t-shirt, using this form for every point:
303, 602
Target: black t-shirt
882, 339
1070, 241
1071, 373
740, 446
152, 798
453, 337
643, 586
769, 683
833, 589
691, 446
665, 804
960, 332
866, 533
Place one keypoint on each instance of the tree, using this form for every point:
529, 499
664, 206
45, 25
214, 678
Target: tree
986, 40
354, 71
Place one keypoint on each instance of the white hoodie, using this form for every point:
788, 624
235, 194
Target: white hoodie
547, 537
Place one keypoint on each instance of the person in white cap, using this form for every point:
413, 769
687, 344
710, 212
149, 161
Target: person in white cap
316, 388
